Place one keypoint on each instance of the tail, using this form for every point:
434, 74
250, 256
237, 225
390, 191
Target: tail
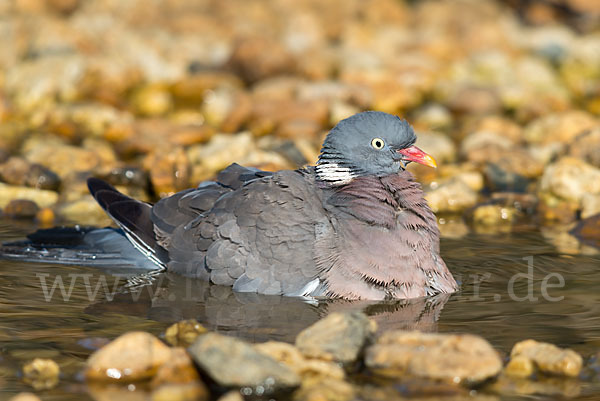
107, 248
133, 217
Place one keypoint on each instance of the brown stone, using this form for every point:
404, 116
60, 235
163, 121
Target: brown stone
456, 358
132, 357
519, 366
42, 198
500, 126
45, 217
18, 171
63, 6
25, 397
310, 370
232, 395
152, 101
178, 369
42, 374
84, 210
180, 392
548, 358
192, 89
570, 179
268, 115
63, 159
184, 332
554, 209
227, 109
493, 215
169, 170
474, 100
586, 147
21, 209
339, 337
451, 196
563, 128
256, 57
327, 389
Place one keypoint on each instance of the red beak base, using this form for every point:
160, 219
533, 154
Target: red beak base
414, 154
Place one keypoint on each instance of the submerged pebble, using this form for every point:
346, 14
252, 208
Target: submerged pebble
41, 374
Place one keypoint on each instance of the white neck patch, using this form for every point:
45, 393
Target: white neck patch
334, 173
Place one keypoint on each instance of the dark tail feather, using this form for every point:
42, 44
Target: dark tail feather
95, 185
133, 216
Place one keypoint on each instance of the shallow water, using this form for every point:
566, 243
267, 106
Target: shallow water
66, 326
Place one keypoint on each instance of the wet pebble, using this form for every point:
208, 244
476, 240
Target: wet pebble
169, 170
226, 108
455, 358
178, 369
129, 176
586, 147
561, 127
42, 198
231, 396
152, 101
553, 387
184, 332
437, 145
309, 369
84, 211
234, 363
18, 171
548, 358
339, 337
180, 392
520, 366
21, 209
63, 159
554, 209
570, 179
326, 389
132, 357
433, 116
41, 374
590, 205
493, 215
451, 196
485, 146
25, 397
257, 57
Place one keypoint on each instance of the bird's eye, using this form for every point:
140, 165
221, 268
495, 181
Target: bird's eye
377, 143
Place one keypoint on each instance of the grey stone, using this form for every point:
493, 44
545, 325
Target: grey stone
339, 337
234, 363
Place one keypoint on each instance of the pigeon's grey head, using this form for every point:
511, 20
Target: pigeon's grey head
368, 143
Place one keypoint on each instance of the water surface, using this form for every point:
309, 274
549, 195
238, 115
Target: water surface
513, 287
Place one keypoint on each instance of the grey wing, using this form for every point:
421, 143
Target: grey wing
176, 219
259, 237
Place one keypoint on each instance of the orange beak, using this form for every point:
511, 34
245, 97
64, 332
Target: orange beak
414, 154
